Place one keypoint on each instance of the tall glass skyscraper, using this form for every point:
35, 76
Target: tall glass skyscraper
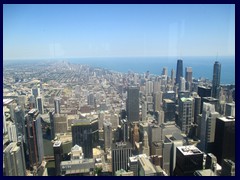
216, 80
179, 71
132, 104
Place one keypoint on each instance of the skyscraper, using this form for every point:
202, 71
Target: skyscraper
13, 159
188, 160
132, 104
107, 128
57, 104
172, 76
19, 121
208, 123
179, 71
186, 107
164, 71
216, 80
51, 117
40, 105
58, 156
188, 77
85, 134
182, 84
121, 152
188, 74
34, 138
224, 143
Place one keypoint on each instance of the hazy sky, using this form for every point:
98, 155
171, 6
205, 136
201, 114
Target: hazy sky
60, 31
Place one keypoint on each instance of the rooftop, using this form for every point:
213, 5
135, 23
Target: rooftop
7, 101
57, 144
189, 150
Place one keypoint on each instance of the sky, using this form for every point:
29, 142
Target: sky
67, 31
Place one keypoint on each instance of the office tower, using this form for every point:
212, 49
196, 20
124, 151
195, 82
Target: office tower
91, 99
197, 107
36, 92
34, 138
182, 84
149, 87
230, 109
164, 71
188, 78
216, 80
58, 156
172, 76
57, 105
51, 117
224, 144
107, 128
186, 110
207, 126
188, 160
157, 100
40, 105
160, 117
204, 91
121, 151
169, 110
228, 168
169, 146
13, 159
169, 95
19, 121
212, 101
85, 134
156, 86
12, 132
145, 145
132, 104
154, 133
124, 130
179, 71
144, 110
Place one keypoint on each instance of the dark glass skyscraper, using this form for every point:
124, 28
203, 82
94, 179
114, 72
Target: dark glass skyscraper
132, 104
216, 80
179, 71
34, 138
85, 134
224, 144
58, 156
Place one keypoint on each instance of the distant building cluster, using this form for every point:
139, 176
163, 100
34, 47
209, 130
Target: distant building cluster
63, 119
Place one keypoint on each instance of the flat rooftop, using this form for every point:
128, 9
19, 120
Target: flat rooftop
189, 150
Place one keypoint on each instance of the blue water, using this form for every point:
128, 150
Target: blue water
201, 66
